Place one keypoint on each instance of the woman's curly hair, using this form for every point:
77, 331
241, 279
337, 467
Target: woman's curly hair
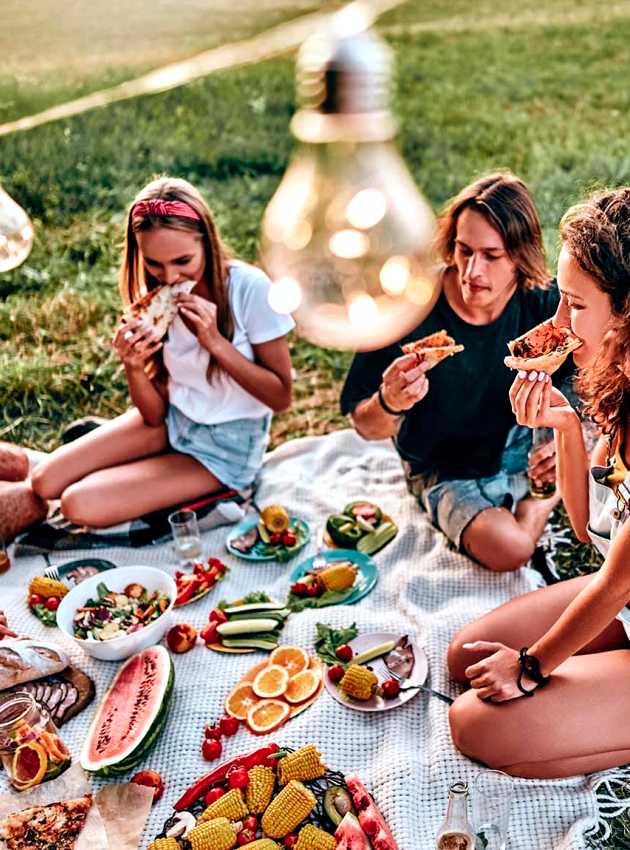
597, 235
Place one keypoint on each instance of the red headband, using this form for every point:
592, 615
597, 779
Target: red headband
156, 206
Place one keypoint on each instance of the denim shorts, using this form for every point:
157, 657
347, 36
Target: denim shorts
452, 505
232, 451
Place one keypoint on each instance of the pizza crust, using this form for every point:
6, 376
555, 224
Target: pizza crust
544, 348
432, 349
57, 825
157, 308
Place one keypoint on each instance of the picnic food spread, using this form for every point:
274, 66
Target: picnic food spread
543, 348
113, 615
275, 535
361, 525
280, 798
432, 349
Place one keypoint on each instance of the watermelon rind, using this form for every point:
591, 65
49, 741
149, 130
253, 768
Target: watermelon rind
128, 759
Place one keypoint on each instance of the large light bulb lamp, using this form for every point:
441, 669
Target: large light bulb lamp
347, 238
16, 233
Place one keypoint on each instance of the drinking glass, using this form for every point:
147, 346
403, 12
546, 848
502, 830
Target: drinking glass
186, 537
492, 796
5, 561
544, 489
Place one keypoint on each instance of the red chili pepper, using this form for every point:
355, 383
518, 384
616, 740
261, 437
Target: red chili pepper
202, 785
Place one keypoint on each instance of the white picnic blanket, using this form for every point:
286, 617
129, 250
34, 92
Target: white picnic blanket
405, 755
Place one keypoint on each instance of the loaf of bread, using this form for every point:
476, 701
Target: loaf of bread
26, 660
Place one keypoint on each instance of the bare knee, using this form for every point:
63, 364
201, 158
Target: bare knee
457, 658
45, 480
501, 549
80, 504
474, 729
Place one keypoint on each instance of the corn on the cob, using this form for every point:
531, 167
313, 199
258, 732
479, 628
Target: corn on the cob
263, 844
359, 682
262, 781
164, 844
230, 806
338, 576
288, 809
216, 834
47, 587
313, 838
305, 763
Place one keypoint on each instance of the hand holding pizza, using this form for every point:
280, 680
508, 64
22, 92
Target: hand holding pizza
203, 316
538, 404
404, 382
135, 343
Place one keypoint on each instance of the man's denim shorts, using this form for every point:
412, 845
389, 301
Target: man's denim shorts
232, 451
452, 505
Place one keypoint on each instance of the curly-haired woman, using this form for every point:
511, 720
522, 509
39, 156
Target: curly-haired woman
563, 644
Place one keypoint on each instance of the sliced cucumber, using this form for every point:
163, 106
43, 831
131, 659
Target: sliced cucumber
253, 606
377, 539
250, 643
375, 652
280, 614
240, 627
262, 530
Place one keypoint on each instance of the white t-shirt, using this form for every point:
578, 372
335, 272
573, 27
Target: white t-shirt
223, 399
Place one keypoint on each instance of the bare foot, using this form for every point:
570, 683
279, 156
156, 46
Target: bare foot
13, 462
19, 508
532, 514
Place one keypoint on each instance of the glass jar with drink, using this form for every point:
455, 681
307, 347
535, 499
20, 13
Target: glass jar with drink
31, 749
456, 833
186, 537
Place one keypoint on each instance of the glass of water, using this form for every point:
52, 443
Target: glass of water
186, 537
492, 796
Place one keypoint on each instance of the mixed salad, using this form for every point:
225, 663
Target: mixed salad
115, 614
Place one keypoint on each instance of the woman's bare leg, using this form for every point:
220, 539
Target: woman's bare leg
578, 723
522, 621
123, 492
124, 439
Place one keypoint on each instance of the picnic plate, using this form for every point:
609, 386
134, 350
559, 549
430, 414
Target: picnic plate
418, 675
254, 554
367, 572
74, 572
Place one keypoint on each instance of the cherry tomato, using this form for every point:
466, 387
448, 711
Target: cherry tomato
390, 688
218, 616
35, 599
289, 538
238, 778
229, 725
213, 795
336, 673
150, 779
313, 589
211, 749
245, 836
344, 652
212, 732
299, 588
52, 603
210, 634
275, 538
251, 822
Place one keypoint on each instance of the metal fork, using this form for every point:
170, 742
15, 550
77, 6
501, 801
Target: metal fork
407, 685
52, 572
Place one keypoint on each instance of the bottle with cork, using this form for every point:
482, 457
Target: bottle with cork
456, 832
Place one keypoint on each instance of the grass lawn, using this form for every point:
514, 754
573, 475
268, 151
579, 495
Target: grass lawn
480, 85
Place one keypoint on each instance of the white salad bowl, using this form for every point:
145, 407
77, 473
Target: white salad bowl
119, 648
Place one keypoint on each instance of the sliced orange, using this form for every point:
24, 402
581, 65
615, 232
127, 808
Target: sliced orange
293, 658
271, 682
55, 747
239, 701
267, 715
30, 763
302, 686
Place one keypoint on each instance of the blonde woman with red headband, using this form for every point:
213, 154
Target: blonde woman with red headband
202, 397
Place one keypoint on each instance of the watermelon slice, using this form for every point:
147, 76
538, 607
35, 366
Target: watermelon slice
371, 820
350, 836
131, 715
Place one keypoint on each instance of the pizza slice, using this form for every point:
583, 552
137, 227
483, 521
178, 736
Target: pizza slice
542, 349
432, 349
158, 307
57, 825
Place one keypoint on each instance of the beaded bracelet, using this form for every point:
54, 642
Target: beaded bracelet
386, 407
530, 666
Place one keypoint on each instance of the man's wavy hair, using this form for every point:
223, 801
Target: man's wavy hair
597, 235
507, 205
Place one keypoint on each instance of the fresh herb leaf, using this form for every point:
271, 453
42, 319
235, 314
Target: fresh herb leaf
102, 590
328, 639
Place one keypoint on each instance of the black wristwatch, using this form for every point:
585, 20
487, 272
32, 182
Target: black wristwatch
386, 407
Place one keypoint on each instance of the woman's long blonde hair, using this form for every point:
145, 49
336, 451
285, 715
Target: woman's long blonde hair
135, 280
597, 235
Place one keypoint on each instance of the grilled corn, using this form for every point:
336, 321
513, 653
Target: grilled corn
216, 834
164, 844
262, 781
288, 809
230, 806
313, 838
338, 576
359, 682
304, 763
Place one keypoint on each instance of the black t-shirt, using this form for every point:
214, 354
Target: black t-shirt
459, 429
